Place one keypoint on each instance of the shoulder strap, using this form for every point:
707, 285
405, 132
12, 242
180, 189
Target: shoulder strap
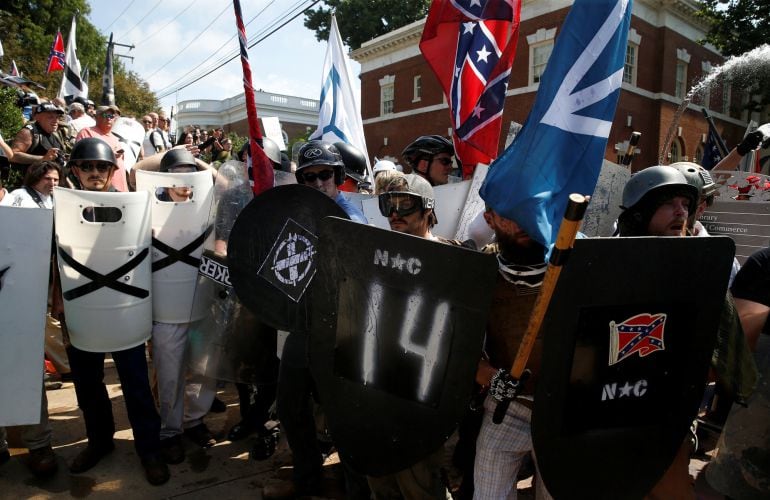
35, 196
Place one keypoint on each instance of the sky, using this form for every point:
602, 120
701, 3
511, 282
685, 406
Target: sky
171, 37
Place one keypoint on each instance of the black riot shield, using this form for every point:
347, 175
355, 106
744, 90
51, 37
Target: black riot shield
272, 253
397, 328
627, 338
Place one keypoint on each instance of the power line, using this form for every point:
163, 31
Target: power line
193, 40
148, 37
235, 52
170, 92
125, 35
120, 15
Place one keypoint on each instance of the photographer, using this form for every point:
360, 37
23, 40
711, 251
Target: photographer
38, 140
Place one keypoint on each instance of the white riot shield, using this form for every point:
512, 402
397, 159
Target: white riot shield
105, 267
179, 231
131, 134
25, 256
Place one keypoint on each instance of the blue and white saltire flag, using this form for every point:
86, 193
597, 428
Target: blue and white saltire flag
561, 147
339, 117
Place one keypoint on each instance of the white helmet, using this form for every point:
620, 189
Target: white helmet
383, 165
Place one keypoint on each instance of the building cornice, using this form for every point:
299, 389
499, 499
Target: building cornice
405, 36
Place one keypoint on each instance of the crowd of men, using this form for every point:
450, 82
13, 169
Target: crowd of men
657, 201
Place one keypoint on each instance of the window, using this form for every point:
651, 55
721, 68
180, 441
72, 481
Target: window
681, 80
726, 98
417, 88
387, 94
699, 154
540, 47
675, 154
539, 58
629, 67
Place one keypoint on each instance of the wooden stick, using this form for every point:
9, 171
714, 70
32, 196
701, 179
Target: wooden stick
564, 241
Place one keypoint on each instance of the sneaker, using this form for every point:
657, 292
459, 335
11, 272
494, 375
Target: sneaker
172, 450
90, 456
155, 469
42, 461
200, 435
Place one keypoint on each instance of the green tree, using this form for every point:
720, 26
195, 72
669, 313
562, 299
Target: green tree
28, 28
11, 119
361, 20
736, 26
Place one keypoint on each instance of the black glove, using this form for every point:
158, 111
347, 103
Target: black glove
503, 387
750, 142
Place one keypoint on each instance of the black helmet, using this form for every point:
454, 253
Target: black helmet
93, 149
426, 146
175, 158
270, 148
354, 160
697, 176
650, 179
314, 153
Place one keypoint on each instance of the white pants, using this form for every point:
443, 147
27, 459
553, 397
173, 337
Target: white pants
184, 400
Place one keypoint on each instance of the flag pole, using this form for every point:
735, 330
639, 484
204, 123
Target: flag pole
576, 209
262, 169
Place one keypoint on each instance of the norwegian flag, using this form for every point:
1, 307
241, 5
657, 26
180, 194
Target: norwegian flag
641, 334
56, 57
482, 35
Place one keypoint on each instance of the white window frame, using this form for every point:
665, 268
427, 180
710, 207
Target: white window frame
540, 39
387, 94
630, 70
680, 80
417, 88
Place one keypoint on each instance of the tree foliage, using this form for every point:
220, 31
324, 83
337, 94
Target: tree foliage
736, 26
11, 119
361, 20
28, 28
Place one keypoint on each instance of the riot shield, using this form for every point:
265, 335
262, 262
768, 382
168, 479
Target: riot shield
228, 343
25, 261
103, 245
628, 338
397, 329
179, 231
272, 253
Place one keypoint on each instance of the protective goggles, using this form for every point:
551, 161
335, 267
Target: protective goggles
402, 203
324, 175
90, 167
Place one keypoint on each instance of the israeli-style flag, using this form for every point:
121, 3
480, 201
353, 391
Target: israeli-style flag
561, 147
72, 85
339, 117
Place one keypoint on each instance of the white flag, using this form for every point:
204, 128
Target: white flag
72, 85
1, 49
339, 117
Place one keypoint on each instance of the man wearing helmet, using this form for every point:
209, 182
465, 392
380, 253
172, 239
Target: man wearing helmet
93, 163
430, 156
355, 168
659, 201
320, 166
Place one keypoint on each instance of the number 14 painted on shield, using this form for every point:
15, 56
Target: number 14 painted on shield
414, 311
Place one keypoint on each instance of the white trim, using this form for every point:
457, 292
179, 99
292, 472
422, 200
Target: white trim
416, 83
387, 80
541, 35
683, 55
531, 69
634, 37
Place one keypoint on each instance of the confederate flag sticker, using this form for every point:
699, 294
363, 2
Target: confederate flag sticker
642, 334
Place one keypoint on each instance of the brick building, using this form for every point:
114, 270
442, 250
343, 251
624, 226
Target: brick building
402, 99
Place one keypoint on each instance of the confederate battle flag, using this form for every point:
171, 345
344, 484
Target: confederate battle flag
642, 334
56, 57
482, 36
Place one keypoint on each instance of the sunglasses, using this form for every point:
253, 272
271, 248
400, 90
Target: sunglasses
443, 161
324, 175
403, 203
90, 167
146, 121
108, 116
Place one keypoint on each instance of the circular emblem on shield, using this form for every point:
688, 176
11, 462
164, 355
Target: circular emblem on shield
313, 153
293, 259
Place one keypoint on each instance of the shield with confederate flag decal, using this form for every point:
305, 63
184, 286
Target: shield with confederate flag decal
482, 35
628, 338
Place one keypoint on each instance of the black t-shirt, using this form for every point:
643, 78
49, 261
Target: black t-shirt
753, 280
